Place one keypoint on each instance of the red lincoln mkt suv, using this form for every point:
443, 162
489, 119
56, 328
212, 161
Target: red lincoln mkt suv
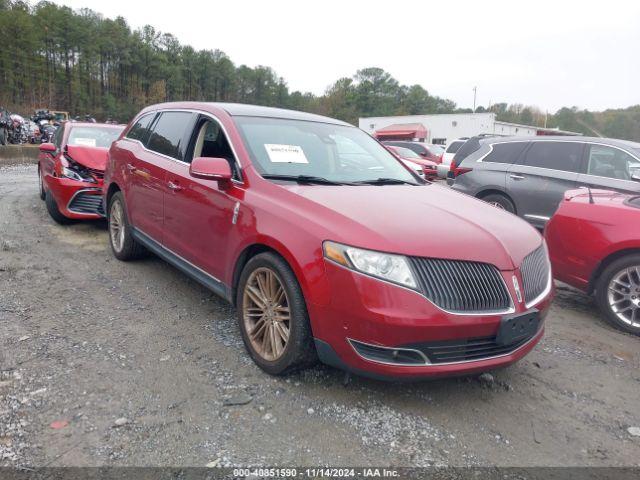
301, 222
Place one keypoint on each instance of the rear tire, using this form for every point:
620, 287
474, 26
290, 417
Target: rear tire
123, 245
271, 305
54, 211
41, 193
618, 286
500, 201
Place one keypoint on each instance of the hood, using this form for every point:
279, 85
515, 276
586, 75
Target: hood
90, 157
598, 195
424, 221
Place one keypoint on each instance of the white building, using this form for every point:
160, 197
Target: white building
444, 128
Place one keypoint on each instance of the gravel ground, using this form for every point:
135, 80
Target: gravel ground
108, 363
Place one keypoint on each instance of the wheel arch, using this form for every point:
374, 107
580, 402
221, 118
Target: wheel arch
496, 191
608, 260
308, 267
113, 188
256, 248
492, 191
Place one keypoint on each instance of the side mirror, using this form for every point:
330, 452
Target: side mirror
635, 174
209, 168
48, 148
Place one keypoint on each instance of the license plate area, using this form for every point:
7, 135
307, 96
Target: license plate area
516, 328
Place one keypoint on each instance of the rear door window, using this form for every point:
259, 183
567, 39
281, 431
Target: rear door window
562, 156
168, 134
505, 152
140, 130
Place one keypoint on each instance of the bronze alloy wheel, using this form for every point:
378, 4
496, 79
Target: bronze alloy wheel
266, 313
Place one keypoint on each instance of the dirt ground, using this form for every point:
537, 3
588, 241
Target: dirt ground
111, 363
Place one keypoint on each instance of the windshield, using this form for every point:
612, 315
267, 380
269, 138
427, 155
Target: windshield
94, 136
337, 153
406, 153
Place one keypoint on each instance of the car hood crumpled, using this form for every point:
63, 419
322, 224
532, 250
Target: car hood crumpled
423, 221
90, 157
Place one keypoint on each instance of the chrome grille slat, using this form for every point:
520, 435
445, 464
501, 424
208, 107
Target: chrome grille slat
86, 203
467, 350
461, 286
535, 273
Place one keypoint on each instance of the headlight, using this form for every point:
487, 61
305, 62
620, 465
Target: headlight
69, 168
72, 174
386, 266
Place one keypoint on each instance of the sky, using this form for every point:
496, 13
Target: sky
544, 53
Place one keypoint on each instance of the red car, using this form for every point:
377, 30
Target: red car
71, 170
428, 151
594, 243
411, 159
301, 222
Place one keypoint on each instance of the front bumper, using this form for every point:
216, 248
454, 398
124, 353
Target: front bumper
77, 200
376, 313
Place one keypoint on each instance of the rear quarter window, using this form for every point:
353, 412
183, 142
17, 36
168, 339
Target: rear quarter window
505, 152
470, 146
454, 146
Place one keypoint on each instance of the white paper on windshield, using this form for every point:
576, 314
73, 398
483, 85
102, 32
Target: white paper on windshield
87, 142
285, 153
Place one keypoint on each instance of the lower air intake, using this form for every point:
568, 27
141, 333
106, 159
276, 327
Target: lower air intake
85, 202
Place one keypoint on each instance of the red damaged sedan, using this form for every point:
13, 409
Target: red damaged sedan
300, 221
71, 170
594, 243
411, 159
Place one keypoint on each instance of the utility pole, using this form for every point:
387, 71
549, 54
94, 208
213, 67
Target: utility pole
475, 90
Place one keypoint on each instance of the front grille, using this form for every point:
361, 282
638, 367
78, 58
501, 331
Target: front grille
535, 273
85, 202
460, 286
468, 349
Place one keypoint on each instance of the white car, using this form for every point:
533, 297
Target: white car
448, 155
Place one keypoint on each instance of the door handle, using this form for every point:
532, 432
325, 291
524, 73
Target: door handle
174, 186
516, 177
131, 168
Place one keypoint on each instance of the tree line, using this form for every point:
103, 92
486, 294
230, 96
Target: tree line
81, 62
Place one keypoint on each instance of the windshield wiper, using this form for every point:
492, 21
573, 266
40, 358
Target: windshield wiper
302, 179
385, 181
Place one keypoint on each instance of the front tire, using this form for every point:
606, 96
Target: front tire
500, 201
123, 245
273, 317
618, 293
54, 211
